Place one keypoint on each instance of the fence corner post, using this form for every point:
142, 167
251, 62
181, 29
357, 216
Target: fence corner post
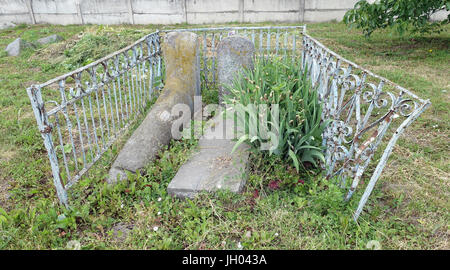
45, 128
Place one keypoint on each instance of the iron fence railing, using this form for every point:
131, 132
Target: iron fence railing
80, 114
362, 107
365, 108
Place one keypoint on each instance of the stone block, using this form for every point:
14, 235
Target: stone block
181, 55
234, 53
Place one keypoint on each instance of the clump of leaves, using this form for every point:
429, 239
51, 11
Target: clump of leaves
97, 42
86, 50
297, 125
404, 15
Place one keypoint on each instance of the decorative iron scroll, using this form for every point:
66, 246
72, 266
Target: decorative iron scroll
362, 107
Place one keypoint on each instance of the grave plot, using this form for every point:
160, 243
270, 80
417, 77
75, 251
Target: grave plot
364, 113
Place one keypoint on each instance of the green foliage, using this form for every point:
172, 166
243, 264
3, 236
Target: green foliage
3, 218
408, 211
299, 127
97, 42
404, 15
88, 49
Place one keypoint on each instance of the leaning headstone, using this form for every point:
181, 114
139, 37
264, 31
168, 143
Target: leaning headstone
215, 166
233, 54
49, 39
6, 25
181, 57
15, 48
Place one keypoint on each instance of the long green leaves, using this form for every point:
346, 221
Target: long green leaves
298, 127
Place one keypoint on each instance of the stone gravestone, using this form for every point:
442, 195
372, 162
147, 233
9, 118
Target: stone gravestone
15, 48
233, 54
7, 25
49, 39
181, 57
213, 166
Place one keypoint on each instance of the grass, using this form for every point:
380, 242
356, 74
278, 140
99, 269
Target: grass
409, 208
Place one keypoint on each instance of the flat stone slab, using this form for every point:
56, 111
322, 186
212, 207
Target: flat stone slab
212, 166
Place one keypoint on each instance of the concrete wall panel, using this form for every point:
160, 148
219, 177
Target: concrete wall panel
63, 19
173, 11
106, 18
158, 18
323, 16
212, 6
271, 16
54, 6
268, 5
18, 18
13, 7
199, 18
329, 4
157, 6
104, 6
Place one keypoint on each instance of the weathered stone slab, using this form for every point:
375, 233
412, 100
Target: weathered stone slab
212, 166
49, 39
181, 55
233, 54
15, 48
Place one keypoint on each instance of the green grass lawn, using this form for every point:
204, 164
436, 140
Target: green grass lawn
409, 208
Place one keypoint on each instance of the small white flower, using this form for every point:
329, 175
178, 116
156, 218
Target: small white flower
159, 199
276, 234
159, 213
155, 228
435, 126
239, 246
219, 186
121, 206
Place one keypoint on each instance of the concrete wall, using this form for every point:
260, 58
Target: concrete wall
170, 11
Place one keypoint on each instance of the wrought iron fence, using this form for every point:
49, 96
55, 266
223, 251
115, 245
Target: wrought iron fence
80, 114
364, 108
